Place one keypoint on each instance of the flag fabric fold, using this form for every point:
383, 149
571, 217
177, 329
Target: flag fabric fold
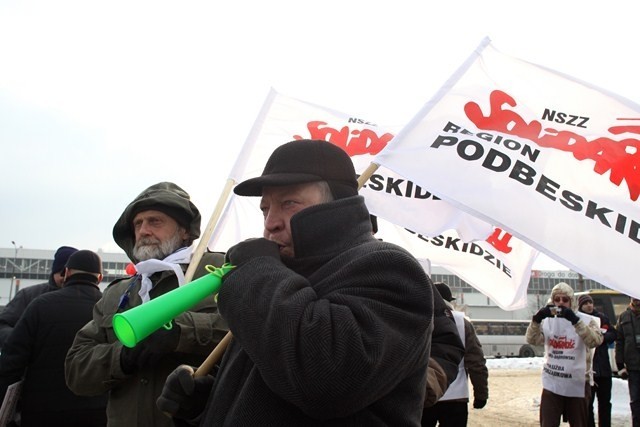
546, 157
503, 275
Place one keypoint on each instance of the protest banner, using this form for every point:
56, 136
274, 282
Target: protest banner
544, 156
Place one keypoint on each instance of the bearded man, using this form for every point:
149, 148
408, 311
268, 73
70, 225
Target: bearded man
156, 230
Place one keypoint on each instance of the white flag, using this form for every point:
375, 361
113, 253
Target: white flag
499, 273
544, 156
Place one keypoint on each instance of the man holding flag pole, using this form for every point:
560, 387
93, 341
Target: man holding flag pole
156, 230
330, 325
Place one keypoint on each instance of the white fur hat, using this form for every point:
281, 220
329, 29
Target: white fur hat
565, 289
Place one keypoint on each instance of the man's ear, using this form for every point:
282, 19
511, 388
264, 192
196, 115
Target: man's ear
185, 234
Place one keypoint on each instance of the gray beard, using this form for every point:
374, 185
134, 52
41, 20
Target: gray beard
151, 248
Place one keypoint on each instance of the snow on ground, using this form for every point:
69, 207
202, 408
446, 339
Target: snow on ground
619, 391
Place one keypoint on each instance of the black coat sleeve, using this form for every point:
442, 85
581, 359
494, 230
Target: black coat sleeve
11, 314
446, 344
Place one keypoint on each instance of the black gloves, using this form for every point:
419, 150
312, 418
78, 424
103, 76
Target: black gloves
251, 248
184, 396
150, 350
543, 313
479, 403
568, 314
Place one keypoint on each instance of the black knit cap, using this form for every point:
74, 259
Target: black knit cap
60, 258
303, 161
85, 260
583, 299
444, 291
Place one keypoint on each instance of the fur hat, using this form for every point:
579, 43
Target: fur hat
60, 258
444, 291
583, 299
562, 288
303, 161
85, 260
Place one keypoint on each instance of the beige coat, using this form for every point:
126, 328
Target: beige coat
590, 334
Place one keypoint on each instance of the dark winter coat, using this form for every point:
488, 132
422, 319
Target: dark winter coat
601, 361
338, 335
39, 344
447, 351
93, 362
14, 309
627, 349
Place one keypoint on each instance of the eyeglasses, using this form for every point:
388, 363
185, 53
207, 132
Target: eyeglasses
563, 299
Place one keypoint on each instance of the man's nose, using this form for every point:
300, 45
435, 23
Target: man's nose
272, 221
144, 229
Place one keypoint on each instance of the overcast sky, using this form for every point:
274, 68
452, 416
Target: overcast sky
99, 100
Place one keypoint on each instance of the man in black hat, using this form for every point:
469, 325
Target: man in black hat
330, 325
156, 230
14, 309
39, 343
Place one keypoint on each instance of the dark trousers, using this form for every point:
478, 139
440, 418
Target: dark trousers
602, 389
448, 413
553, 406
634, 396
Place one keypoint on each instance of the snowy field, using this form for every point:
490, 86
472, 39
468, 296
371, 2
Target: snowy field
620, 411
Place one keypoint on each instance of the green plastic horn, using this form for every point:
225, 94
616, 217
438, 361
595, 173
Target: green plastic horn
132, 326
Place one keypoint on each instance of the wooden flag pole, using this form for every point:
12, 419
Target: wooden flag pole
198, 253
364, 176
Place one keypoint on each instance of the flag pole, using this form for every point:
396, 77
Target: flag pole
218, 351
198, 253
364, 177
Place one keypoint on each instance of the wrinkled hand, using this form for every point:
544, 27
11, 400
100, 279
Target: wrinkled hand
183, 395
622, 373
149, 350
252, 248
568, 314
479, 403
543, 313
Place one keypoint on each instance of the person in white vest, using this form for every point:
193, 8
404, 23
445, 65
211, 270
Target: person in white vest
569, 339
452, 408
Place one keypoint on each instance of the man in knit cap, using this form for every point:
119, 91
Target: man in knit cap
601, 365
38, 345
568, 337
12, 312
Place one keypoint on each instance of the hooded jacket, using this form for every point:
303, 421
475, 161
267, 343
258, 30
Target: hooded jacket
166, 197
93, 362
338, 335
